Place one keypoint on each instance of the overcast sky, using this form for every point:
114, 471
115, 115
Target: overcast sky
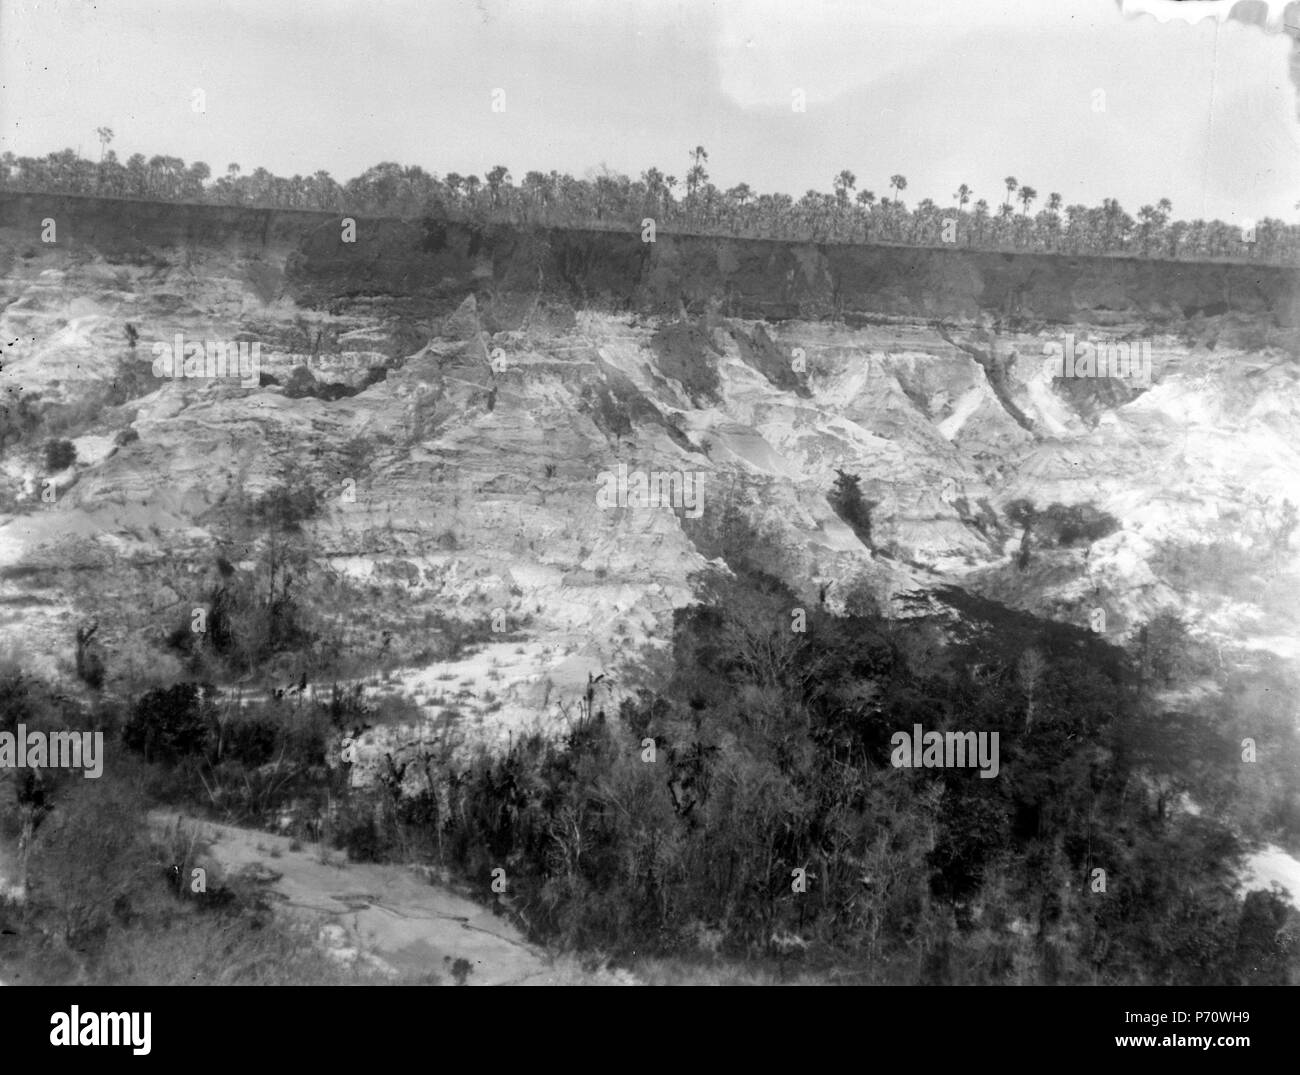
943, 92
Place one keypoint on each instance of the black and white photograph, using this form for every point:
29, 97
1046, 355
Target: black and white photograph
763, 493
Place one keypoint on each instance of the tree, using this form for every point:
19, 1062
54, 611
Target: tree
697, 176
1262, 940
962, 196
194, 180
497, 180
59, 455
1011, 184
91, 859
168, 724
866, 199
472, 184
1027, 195
90, 656
1150, 221
1021, 512
860, 599
26, 794
538, 194
899, 184
844, 184
1050, 222
105, 135
850, 505
1164, 648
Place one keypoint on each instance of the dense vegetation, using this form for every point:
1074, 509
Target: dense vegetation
771, 754
104, 903
610, 200
676, 826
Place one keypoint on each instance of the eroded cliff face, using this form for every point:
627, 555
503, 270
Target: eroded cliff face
471, 392
426, 269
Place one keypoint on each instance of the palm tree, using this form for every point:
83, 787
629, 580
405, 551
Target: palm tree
866, 199
926, 221
671, 207
1049, 221
696, 177
1027, 195
739, 196
844, 184
137, 176
105, 136
1148, 226
1011, 184
194, 178
1076, 226
497, 178
898, 183
981, 215
156, 166
230, 186
655, 188
963, 196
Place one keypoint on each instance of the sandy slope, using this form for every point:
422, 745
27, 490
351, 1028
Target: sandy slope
1274, 866
388, 916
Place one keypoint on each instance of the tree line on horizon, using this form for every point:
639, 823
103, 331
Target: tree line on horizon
609, 200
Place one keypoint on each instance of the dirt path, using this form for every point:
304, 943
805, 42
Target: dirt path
391, 917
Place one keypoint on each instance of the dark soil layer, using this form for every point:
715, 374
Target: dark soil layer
428, 267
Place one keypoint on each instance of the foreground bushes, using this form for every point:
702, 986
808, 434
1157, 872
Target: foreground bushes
748, 805
767, 753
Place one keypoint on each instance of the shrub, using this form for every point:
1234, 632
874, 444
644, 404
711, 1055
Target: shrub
1070, 524
1021, 512
286, 508
91, 859
1166, 650
249, 740
850, 505
221, 949
861, 600
59, 455
168, 724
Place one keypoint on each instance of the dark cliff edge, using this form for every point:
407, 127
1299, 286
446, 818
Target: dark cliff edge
519, 274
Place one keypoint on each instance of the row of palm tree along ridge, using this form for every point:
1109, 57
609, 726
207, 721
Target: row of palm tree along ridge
609, 200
